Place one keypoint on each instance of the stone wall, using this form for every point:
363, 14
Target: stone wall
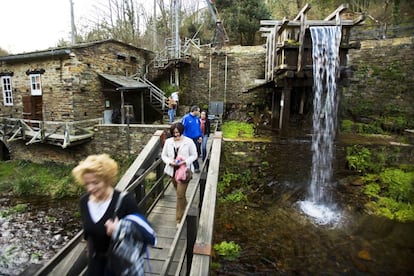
223, 76
111, 139
71, 88
88, 99
382, 86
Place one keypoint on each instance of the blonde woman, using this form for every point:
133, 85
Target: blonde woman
184, 148
98, 174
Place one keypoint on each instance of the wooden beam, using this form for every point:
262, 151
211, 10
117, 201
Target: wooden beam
302, 12
282, 27
266, 29
301, 41
345, 22
338, 10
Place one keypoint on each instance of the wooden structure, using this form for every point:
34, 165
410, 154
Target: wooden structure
185, 250
62, 134
289, 57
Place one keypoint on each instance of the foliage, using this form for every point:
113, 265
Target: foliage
228, 250
16, 209
358, 158
168, 88
242, 21
399, 184
364, 160
225, 182
29, 178
346, 126
234, 197
392, 192
234, 129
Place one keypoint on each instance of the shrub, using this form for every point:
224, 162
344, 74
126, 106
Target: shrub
359, 158
228, 250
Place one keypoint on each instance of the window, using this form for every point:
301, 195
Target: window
35, 85
7, 90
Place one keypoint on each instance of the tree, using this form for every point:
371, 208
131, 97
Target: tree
242, 21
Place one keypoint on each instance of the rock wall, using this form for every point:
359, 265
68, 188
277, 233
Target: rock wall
224, 76
382, 86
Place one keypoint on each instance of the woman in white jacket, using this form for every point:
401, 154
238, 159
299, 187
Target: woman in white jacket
178, 145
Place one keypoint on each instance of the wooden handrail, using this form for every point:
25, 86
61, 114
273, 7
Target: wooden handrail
60, 261
202, 258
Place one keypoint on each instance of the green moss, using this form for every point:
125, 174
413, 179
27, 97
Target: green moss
234, 129
347, 126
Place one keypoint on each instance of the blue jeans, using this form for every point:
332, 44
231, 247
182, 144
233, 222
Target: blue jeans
171, 115
195, 163
204, 147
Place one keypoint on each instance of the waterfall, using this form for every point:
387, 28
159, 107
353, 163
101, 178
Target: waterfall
325, 53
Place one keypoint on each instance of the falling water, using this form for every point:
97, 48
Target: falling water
325, 43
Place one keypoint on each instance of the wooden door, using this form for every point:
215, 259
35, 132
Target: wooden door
32, 108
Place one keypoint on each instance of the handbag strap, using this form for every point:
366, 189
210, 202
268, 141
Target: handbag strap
118, 204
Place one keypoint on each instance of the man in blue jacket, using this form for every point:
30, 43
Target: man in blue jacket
192, 130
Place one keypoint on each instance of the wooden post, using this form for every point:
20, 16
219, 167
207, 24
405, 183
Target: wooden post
285, 109
302, 102
202, 183
142, 108
122, 107
192, 222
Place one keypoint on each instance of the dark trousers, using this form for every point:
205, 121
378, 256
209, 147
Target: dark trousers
195, 163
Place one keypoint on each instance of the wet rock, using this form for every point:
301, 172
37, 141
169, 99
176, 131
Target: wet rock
364, 255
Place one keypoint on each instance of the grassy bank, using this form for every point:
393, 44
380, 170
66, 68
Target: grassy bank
22, 177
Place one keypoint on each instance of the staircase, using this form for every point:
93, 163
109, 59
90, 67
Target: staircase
156, 97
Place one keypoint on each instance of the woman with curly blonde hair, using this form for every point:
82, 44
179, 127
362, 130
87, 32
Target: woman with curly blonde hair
98, 174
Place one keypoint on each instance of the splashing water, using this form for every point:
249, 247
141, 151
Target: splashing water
325, 43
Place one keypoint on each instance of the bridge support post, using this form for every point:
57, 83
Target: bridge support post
202, 183
192, 222
284, 109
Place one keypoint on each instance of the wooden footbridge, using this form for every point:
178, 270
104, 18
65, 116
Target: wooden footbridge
63, 134
183, 250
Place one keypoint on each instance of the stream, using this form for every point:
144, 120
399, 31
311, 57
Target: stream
277, 238
32, 234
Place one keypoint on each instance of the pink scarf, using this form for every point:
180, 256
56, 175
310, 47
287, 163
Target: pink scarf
180, 174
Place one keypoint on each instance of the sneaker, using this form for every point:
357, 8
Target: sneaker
197, 171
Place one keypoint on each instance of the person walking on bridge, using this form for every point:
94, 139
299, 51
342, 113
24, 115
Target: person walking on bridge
98, 174
205, 130
178, 151
192, 130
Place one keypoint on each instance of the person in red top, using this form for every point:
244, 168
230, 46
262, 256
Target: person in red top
205, 131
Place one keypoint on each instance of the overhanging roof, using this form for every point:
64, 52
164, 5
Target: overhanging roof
123, 82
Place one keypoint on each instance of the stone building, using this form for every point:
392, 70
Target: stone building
72, 83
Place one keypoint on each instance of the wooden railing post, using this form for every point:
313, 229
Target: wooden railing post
192, 222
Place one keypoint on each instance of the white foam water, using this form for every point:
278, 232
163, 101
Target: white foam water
321, 213
325, 53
